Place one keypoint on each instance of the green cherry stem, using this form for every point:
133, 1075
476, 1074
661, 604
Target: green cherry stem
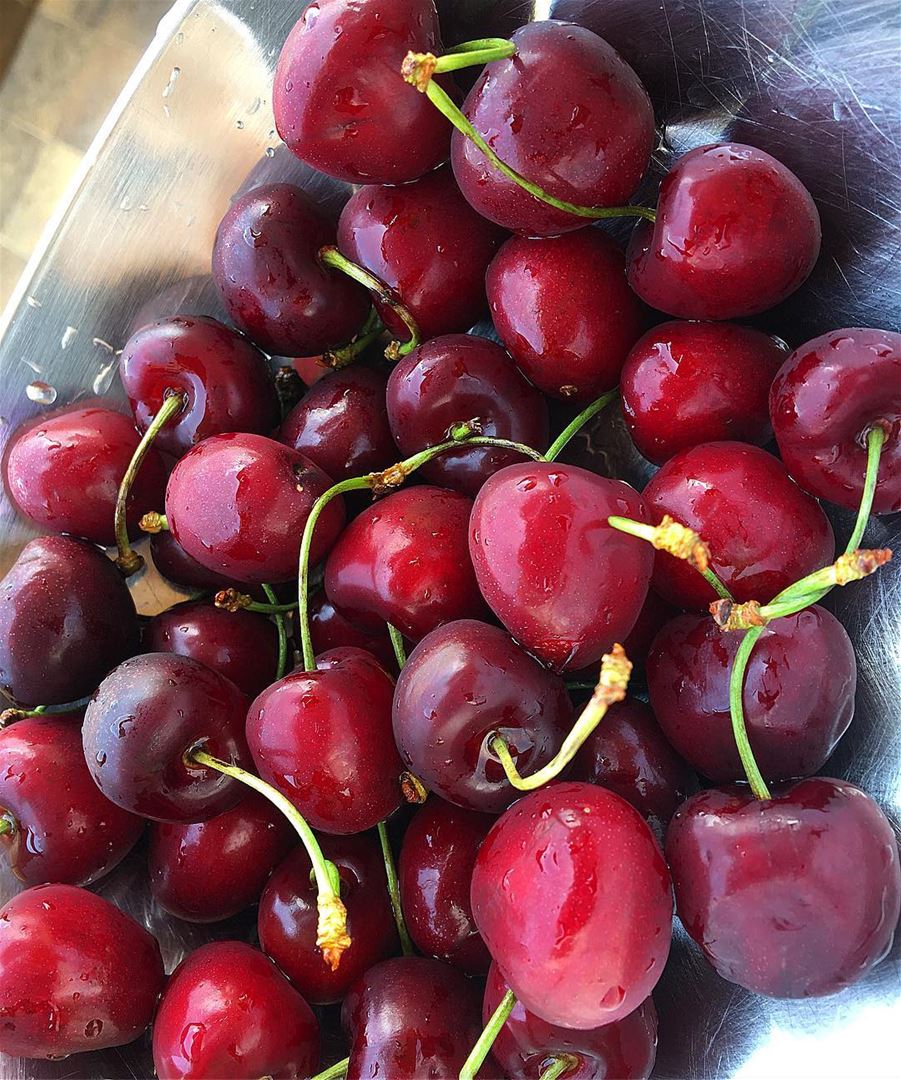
7, 825
10, 716
333, 1072
279, 619
578, 422
154, 522
231, 599
394, 890
474, 54
346, 354
486, 1040
397, 643
736, 708
560, 1064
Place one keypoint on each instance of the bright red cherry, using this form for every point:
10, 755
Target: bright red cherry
573, 899
763, 531
228, 1013
827, 396
736, 233
330, 630
78, 974
795, 896
686, 383
563, 309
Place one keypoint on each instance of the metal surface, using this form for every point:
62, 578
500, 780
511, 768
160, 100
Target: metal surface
814, 81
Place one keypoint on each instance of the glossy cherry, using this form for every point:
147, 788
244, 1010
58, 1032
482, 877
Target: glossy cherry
174, 563
736, 233
573, 899
78, 974
686, 383
563, 309
456, 378
826, 397
569, 114
228, 1013
142, 724
330, 630
763, 531
66, 619
795, 896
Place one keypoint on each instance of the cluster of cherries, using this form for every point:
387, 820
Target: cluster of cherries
535, 857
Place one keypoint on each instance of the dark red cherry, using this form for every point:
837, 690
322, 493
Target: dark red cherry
435, 872
563, 309
174, 563
78, 974
66, 619
827, 396
287, 917
266, 265
330, 630
569, 114
538, 533
736, 232
655, 613
573, 899
795, 896
63, 829
462, 684
339, 101
228, 1013
238, 505
141, 725
793, 721
526, 1045
457, 378
404, 561
763, 531
63, 473
225, 379
428, 245
686, 383
211, 870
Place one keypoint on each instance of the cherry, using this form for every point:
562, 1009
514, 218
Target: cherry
226, 380
827, 396
538, 533
63, 473
794, 896
142, 723
238, 503
736, 233
563, 309
655, 613
763, 531
434, 873
456, 378
174, 563
330, 630
78, 974
686, 383
274, 287
287, 917
60, 826
228, 1013
66, 619
569, 114
573, 899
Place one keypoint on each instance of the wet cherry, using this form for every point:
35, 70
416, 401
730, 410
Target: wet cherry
330, 630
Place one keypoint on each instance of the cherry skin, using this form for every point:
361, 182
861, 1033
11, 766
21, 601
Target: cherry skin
266, 265
66, 619
655, 613
538, 533
229, 1013
457, 378
826, 397
142, 724
211, 870
763, 531
462, 684
795, 896
64, 829
78, 974
686, 383
225, 378
175, 564
238, 504
569, 114
736, 233
563, 309
330, 630
793, 722
573, 899
63, 473
287, 917
434, 873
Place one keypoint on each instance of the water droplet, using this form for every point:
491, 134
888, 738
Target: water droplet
32, 301
100, 757
239, 124
173, 79
104, 377
93, 1029
254, 106
40, 393
270, 151
68, 337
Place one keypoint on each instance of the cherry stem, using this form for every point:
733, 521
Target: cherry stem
7, 825
279, 620
394, 890
560, 1064
397, 643
128, 560
486, 1040
10, 716
578, 422
332, 937
231, 599
154, 522
333, 1072
474, 54
736, 708
370, 331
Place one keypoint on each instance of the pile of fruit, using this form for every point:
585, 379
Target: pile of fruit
272, 736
